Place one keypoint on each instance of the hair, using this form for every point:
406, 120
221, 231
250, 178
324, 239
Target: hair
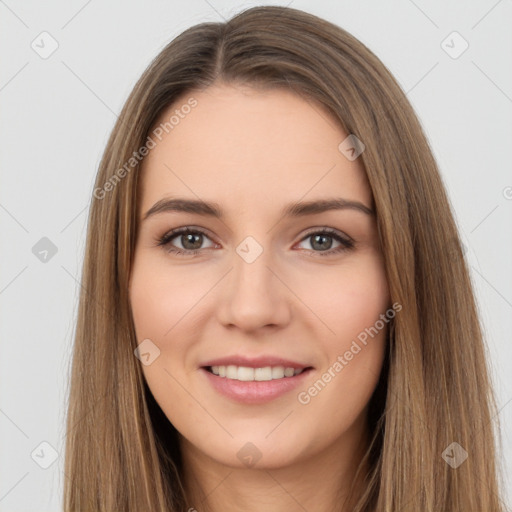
121, 451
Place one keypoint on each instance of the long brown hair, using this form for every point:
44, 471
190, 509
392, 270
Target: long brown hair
122, 452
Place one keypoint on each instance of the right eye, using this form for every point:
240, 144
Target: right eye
190, 239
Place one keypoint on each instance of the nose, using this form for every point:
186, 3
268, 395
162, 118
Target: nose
254, 296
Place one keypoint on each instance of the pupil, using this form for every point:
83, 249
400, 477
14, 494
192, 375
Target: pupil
189, 237
323, 238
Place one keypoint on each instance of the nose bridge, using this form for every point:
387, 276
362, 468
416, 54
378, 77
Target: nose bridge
251, 267
254, 296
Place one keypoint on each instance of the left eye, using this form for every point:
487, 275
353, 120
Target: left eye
323, 240
192, 239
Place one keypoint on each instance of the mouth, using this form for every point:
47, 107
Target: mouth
250, 374
252, 385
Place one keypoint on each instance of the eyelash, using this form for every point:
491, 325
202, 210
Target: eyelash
346, 243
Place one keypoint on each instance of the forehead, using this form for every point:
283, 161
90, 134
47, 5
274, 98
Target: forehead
238, 145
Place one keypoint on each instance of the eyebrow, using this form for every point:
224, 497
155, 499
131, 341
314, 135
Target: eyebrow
211, 209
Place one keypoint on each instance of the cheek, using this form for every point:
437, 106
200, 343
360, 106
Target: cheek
162, 298
353, 306
162, 305
351, 300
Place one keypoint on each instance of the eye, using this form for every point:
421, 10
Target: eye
322, 240
191, 240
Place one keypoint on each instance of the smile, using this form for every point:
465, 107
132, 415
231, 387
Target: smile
247, 374
251, 386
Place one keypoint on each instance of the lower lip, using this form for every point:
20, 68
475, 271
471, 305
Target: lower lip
255, 392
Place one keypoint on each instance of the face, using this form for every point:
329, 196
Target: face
254, 290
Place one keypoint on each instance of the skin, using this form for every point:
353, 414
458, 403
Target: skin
252, 152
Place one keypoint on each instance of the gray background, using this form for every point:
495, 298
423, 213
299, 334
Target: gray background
57, 112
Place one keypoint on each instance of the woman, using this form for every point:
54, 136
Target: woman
276, 313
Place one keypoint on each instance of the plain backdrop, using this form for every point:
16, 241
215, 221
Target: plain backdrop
56, 114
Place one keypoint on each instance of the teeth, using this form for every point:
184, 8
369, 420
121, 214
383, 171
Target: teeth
288, 372
232, 372
245, 373
277, 372
263, 373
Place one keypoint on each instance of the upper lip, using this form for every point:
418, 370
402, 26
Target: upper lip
255, 362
